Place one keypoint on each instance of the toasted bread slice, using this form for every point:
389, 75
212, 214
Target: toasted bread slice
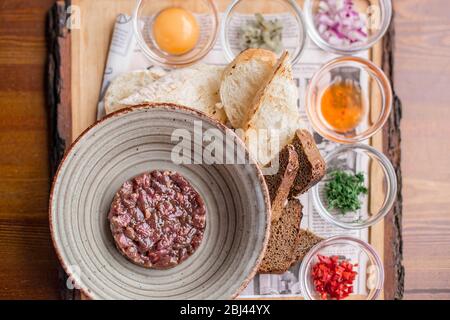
283, 241
280, 184
196, 87
273, 119
307, 241
242, 79
128, 83
277, 93
312, 166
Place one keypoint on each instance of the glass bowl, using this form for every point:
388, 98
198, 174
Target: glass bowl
370, 278
240, 12
376, 16
375, 93
378, 173
205, 12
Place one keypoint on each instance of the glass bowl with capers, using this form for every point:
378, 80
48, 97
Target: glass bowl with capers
275, 25
359, 187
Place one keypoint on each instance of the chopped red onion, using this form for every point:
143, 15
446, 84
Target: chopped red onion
339, 23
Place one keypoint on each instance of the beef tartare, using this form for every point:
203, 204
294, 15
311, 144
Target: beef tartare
157, 219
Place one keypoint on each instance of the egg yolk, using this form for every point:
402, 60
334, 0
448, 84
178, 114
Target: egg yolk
176, 31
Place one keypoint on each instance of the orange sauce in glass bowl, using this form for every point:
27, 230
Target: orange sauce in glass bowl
342, 106
176, 31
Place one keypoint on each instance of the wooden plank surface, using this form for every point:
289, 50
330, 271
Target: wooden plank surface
422, 75
422, 79
28, 267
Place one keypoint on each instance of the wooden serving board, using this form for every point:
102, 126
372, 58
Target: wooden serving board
76, 62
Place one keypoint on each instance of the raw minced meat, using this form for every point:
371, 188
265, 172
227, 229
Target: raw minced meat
157, 219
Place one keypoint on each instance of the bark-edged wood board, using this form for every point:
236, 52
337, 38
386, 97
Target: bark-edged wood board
76, 61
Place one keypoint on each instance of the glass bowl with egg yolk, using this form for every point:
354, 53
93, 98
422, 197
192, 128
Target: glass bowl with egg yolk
175, 33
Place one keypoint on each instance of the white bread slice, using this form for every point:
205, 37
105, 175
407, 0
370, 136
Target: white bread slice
128, 83
270, 131
241, 81
274, 116
278, 91
196, 87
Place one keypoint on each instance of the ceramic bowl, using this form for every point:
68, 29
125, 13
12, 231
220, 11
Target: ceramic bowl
140, 139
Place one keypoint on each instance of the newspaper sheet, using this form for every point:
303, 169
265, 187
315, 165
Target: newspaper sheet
125, 55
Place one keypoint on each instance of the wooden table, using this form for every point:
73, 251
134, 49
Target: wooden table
28, 265
422, 78
421, 63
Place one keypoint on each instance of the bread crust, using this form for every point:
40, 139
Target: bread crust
280, 184
263, 55
312, 166
281, 69
266, 57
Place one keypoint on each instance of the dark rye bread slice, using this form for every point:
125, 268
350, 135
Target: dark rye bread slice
280, 184
311, 164
307, 241
283, 241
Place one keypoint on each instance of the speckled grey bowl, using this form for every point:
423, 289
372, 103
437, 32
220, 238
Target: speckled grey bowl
123, 145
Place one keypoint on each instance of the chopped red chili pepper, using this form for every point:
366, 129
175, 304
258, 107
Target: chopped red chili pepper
333, 279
